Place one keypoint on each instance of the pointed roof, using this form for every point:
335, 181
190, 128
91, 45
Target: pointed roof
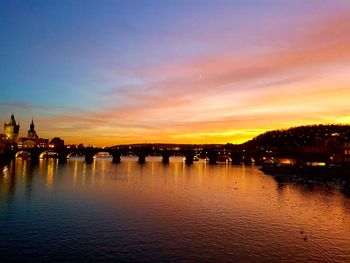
32, 125
12, 120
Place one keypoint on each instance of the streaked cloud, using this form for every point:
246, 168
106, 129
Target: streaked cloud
296, 73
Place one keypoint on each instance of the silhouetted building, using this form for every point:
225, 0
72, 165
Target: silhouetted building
11, 129
32, 140
57, 143
26, 143
315, 149
346, 152
81, 146
43, 143
32, 133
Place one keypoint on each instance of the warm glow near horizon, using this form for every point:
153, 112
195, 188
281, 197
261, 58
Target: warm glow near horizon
173, 72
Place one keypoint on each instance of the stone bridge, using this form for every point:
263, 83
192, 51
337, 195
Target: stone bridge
211, 154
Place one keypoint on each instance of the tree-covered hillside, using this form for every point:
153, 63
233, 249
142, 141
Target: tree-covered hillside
300, 136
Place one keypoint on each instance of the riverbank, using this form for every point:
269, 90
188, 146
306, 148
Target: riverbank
311, 175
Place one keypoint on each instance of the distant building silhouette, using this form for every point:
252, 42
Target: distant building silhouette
32, 140
346, 149
57, 143
43, 143
32, 133
11, 129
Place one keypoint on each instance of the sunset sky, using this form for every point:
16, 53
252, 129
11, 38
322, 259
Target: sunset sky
191, 71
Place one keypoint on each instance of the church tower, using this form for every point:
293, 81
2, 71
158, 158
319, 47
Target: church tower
31, 132
11, 129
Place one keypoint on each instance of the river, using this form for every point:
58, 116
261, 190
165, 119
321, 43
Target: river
174, 212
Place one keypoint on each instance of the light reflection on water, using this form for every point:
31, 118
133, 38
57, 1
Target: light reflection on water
173, 212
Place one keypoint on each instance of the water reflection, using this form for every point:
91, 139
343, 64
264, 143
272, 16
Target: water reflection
51, 170
7, 183
171, 212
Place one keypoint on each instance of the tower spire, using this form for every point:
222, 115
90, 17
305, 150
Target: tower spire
32, 125
12, 120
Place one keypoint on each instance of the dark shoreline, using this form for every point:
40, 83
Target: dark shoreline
309, 175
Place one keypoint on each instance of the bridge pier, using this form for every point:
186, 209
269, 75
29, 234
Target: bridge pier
6, 158
189, 159
165, 156
212, 156
62, 158
165, 159
142, 158
35, 156
236, 158
189, 154
89, 157
142, 153
116, 157
34, 159
212, 160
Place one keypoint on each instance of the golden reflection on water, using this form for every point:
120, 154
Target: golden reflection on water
75, 172
234, 203
84, 173
24, 168
7, 182
51, 165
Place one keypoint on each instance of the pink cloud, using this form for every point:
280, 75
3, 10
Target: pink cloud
302, 81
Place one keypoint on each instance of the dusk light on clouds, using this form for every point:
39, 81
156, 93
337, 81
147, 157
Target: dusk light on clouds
114, 72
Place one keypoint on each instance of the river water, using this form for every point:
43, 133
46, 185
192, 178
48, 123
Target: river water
129, 212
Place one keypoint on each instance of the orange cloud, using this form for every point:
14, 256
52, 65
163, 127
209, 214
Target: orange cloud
228, 98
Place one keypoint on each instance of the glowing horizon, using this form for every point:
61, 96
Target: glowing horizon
105, 73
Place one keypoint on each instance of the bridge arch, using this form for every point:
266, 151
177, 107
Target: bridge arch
24, 154
223, 159
247, 159
75, 154
102, 155
72, 154
48, 154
